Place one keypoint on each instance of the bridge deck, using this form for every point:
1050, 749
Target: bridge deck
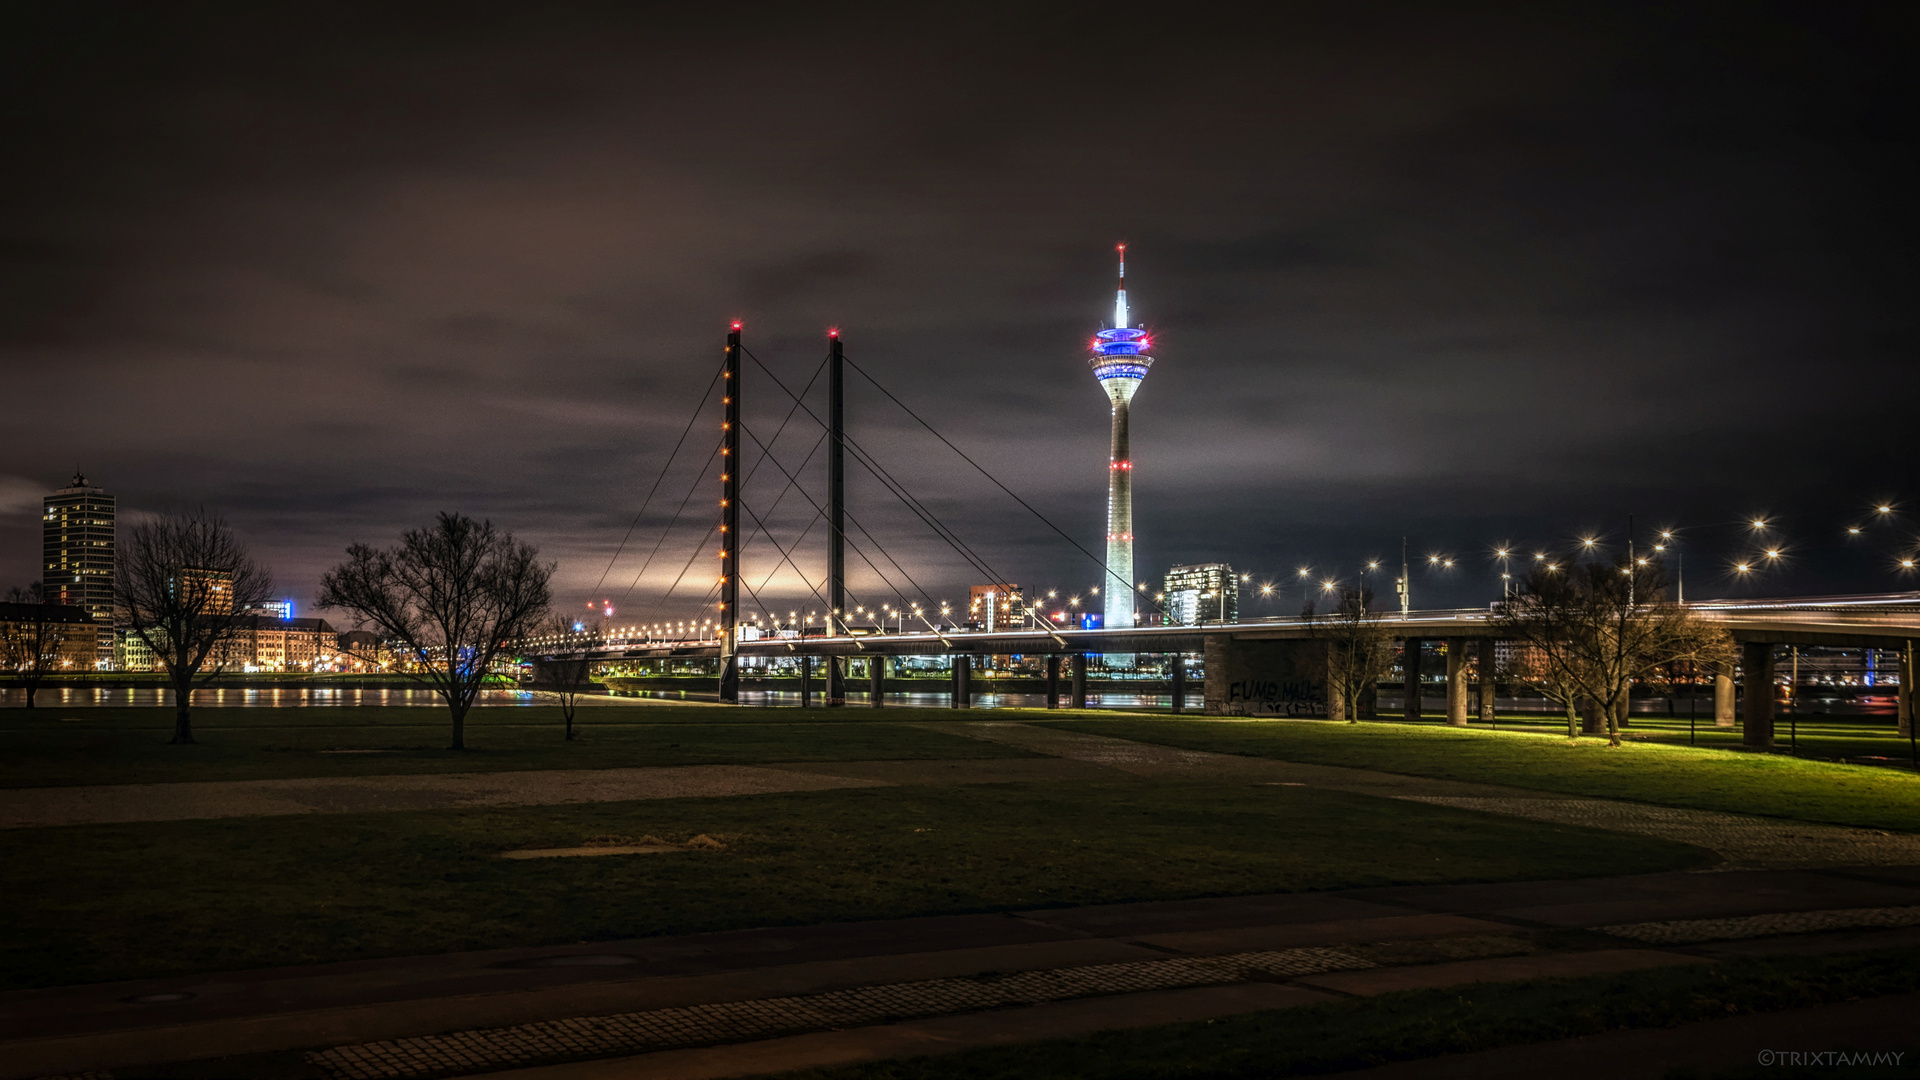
1876, 621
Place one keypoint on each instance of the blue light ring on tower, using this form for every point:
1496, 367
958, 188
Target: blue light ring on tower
1120, 367
1124, 341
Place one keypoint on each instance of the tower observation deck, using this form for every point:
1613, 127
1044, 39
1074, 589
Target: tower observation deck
1120, 362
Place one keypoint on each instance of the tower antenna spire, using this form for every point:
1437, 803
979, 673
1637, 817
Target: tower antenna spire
1119, 362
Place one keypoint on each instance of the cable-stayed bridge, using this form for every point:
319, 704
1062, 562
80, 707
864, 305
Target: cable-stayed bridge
741, 612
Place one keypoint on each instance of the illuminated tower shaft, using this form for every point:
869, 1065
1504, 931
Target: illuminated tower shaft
1120, 362
1118, 588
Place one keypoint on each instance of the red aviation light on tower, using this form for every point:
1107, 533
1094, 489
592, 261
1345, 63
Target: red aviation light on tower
833, 331
736, 324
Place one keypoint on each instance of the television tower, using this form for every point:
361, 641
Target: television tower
1120, 362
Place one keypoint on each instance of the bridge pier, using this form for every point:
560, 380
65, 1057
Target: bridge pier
1487, 685
1724, 709
1905, 698
1270, 678
1053, 680
1410, 676
1756, 671
962, 681
877, 681
1079, 681
836, 681
1179, 682
1457, 682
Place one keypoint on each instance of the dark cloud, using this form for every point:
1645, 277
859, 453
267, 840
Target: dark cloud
1467, 276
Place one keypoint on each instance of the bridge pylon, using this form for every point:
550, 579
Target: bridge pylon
730, 523
836, 516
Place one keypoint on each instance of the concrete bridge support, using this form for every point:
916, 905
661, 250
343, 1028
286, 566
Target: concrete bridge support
1410, 676
877, 681
1906, 696
1179, 682
1457, 682
1756, 674
1079, 681
1487, 684
1053, 680
963, 682
1267, 678
1723, 699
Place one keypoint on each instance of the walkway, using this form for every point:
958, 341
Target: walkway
750, 1001
1742, 842
756, 1001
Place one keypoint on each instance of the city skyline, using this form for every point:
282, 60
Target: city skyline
1475, 281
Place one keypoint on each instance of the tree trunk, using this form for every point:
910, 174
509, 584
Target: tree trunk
182, 709
1573, 721
566, 709
1591, 722
1613, 709
459, 725
33, 687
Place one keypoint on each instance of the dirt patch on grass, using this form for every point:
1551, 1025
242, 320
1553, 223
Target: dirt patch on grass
620, 845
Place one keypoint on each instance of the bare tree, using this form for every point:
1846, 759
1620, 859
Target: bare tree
449, 596
570, 675
1539, 620
32, 637
1359, 649
1597, 629
183, 581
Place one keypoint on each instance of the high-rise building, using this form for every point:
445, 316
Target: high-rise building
1203, 593
210, 590
1120, 362
273, 609
77, 550
996, 607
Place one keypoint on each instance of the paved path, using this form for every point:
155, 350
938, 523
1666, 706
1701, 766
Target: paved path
1742, 841
1050, 972
26, 807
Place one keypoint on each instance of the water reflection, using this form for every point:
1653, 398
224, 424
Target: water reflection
239, 696
242, 697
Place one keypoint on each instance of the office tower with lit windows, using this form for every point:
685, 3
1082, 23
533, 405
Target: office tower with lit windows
1205, 593
996, 607
77, 550
1120, 362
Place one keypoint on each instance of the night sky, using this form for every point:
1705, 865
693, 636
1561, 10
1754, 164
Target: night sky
1468, 277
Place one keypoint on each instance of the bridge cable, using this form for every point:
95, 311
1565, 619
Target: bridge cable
664, 469
1107, 573
856, 523
924, 595
675, 520
691, 491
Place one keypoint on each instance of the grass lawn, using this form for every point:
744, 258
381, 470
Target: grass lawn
101, 902
1825, 737
95, 745
1415, 1025
1645, 772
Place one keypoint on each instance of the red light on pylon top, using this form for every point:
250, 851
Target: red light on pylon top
1123, 249
833, 332
736, 324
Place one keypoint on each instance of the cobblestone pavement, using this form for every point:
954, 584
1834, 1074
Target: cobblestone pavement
1688, 931
25, 807
740, 1021
1746, 843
